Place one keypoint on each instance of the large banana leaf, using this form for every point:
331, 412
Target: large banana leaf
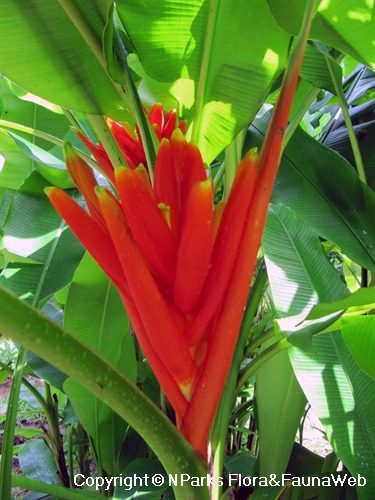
15, 108
359, 336
299, 275
341, 394
42, 251
95, 314
26, 325
228, 52
347, 26
43, 52
280, 405
343, 397
299, 271
324, 190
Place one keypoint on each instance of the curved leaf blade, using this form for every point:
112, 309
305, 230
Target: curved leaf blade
105, 327
188, 41
347, 26
343, 397
280, 405
43, 52
300, 274
324, 190
37, 333
359, 336
42, 251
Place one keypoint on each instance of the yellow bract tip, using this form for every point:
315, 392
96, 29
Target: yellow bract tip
49, 189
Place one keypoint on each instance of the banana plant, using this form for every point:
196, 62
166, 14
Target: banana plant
173, 213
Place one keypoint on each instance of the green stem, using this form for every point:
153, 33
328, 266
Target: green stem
233, 155
259, 361
259, 340
220, 426
69, 435
6, 466
230, 167
10, 424
219, 175
51, 342
203, 75
91, 40
31, 131
72, 119
149, 141
55, 440
348, 122
107, 140
295, 121
53, 490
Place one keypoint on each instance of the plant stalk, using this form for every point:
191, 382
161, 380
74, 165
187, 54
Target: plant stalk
10, 424
29, 386
348, 122
107, 140
204, 70
90, 39
259, 361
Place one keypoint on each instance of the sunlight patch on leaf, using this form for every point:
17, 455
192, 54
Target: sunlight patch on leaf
27, 246
289, 292
183, 90
359, 15
270, 60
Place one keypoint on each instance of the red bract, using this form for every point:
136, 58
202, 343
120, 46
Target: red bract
130, 144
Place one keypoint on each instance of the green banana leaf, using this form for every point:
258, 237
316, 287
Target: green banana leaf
37, 461
359, 336
42, 251
348, 26
44, 52
228, 56
324, 190
343, 397
362, 300
15, 108
280, 405
300, 275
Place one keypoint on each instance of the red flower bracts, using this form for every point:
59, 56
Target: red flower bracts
174, 272
130, 144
